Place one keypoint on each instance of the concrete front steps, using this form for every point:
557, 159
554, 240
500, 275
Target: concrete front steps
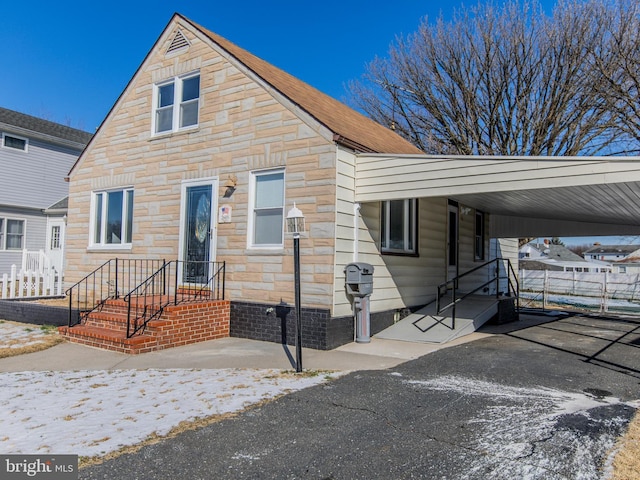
182, 324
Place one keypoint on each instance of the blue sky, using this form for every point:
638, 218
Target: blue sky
68, 61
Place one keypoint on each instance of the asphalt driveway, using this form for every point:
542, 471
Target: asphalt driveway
539, 400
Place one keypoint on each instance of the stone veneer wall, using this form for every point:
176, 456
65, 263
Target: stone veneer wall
243, 127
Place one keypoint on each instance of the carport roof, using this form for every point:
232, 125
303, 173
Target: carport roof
526, 196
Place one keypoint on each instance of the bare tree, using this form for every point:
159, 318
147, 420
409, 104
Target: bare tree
501, 81
615, 63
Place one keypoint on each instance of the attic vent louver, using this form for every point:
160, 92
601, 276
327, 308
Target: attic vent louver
178, 42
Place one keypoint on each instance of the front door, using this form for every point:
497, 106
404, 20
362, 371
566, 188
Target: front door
452, 241
55, 242
197, 232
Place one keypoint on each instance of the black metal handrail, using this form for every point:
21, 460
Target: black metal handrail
175, 282
452, 286
109, 280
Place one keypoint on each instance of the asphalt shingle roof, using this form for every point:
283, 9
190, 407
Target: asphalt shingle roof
349, 126
45, 127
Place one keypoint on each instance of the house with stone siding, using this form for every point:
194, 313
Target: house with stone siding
200, 159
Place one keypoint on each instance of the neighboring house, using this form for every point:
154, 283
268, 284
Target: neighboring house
35, 157
202, 156
611, 253
547, 256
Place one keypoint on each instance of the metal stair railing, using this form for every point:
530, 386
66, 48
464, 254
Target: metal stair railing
148, 300
452, 286
106, 282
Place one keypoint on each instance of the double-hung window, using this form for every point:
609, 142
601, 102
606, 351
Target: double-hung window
266, 225
176, 103
479, 236
11, 234
398, 226
112, 218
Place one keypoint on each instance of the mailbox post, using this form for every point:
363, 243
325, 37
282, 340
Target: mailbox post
359, 284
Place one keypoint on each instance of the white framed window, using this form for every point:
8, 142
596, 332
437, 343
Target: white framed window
176, 103
266, 207
398, 226
56, 242
111, 223
479, 236
12, 234
14, 142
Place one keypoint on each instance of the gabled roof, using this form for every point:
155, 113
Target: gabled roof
349, 127
557, 252
21, 123
612, 249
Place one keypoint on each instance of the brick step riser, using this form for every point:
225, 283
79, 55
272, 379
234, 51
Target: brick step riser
183, 325
169, 340
115, 345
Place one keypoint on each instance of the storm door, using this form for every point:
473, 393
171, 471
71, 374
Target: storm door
197, 237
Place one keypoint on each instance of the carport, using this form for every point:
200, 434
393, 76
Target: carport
525, 196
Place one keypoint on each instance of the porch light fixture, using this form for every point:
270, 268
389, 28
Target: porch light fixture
230, 186
295, 221
295, 225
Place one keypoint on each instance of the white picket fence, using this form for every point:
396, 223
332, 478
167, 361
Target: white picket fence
602, 292
30, 283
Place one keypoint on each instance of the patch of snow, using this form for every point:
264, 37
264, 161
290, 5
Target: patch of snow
14, 335
93, 413
521, 430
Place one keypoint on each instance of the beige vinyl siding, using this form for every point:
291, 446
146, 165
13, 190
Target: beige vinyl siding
345, 232
506, 248
398, 281
442, 176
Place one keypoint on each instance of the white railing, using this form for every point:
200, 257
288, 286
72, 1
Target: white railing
30, 283
35, 261
601, 292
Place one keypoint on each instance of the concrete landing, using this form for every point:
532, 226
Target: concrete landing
425, 326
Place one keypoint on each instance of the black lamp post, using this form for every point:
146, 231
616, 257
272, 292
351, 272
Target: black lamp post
295, 225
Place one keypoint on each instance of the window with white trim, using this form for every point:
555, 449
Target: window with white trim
55, 237
176, 103
479, 236
266, 222
13, 142
11, 234
398, 226
112, 218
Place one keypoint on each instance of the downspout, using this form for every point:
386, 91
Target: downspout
356, 230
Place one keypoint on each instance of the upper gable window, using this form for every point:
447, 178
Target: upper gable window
11, 141
176, 103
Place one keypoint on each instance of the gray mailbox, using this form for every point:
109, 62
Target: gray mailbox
359, 279
359, 284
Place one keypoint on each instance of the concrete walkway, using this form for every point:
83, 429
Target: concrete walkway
228, 353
